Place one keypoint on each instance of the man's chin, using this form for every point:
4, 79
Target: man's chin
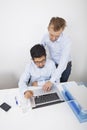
52, 40
41, 66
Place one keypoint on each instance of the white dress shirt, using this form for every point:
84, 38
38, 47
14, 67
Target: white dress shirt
59, 51
32, 72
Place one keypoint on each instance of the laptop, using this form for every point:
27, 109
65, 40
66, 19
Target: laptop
42, 98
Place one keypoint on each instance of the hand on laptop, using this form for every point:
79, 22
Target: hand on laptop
47, 86
28, 94
35, 83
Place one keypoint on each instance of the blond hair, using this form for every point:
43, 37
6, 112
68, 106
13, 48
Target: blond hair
57, 23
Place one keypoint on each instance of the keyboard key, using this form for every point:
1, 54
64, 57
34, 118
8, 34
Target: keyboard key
46, 98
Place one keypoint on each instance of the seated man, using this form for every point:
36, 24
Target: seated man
38, 72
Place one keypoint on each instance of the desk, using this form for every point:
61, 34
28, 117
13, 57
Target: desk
53, 117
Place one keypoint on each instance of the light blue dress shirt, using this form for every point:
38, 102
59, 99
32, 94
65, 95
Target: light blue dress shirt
60, 53
41, 75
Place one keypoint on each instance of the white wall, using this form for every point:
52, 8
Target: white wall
24, 22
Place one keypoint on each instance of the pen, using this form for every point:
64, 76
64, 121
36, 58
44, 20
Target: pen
16, 101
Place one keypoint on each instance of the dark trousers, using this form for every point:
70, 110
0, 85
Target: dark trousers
66, 73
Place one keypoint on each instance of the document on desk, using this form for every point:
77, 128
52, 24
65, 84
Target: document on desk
76, 97
79, 93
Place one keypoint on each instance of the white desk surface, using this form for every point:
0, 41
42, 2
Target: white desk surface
53, 117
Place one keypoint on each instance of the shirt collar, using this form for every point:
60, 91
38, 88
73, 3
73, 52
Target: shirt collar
60, 37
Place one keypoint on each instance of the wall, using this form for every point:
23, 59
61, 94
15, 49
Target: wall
24, 22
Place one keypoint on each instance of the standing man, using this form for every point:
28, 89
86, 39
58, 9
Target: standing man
59, 47
37, 72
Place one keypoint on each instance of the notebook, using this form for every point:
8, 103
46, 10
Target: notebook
42, 98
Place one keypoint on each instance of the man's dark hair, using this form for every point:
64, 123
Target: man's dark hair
37, 51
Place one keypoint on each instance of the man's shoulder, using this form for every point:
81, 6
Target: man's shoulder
45, 37
66, 36
65, 40
50, 62
30, 64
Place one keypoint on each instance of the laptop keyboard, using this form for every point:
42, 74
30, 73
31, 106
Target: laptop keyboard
46, 98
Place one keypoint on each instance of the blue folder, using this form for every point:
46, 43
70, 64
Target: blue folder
74, 105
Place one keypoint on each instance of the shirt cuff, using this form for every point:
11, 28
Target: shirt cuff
54, 81
41, 83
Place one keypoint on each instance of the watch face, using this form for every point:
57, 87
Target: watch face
5, 106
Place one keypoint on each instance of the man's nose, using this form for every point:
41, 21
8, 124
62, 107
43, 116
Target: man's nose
53, 38
40, 64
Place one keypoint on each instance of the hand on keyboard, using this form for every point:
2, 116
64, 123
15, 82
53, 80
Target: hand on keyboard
47, 86
28, 94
